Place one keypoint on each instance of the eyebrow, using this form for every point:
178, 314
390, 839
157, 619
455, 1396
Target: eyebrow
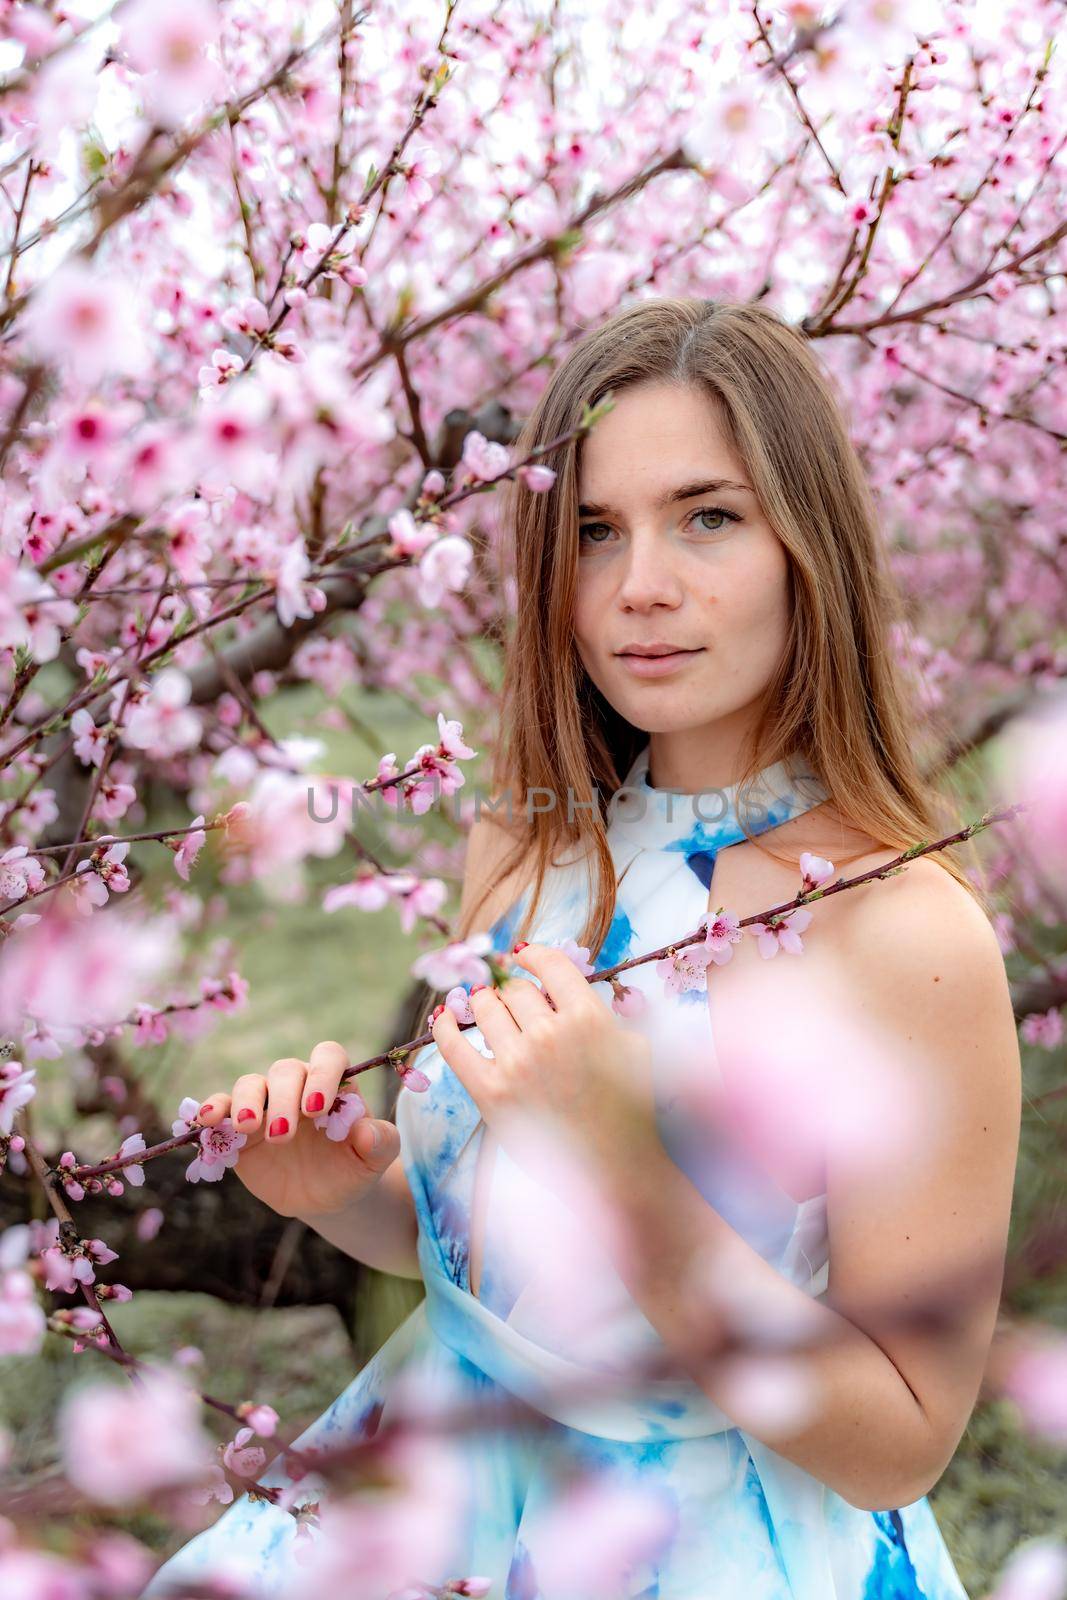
685, 491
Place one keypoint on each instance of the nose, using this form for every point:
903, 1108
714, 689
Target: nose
648, 576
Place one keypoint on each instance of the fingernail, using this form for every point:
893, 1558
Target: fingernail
204, 1109
279, 1126
436, 1012
478, 987
520, 946
316, 1101
244, 1114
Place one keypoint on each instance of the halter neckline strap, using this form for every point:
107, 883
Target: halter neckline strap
707, 820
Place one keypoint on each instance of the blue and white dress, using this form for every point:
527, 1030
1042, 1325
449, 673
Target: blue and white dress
744, 1522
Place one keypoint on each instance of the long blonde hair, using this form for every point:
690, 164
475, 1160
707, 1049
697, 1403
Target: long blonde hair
838, 698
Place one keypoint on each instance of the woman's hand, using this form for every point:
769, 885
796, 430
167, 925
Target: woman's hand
289, 1163
560, 1056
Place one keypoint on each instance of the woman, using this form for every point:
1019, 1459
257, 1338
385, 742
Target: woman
686, 1231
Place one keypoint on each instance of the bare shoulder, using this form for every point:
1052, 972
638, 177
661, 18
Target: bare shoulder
920, 926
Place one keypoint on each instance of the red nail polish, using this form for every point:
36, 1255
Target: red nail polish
520, 946
204, 1109
245, 1113
436, 1012
316, 1101
478, 987
279, 1126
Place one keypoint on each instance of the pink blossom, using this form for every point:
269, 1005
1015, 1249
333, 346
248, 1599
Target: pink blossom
232, 438
225, 994
242, 1459
119, 1564
458, 962
216, 1486
422, 163
367, 891
579, 954
415, 1079
443, 568
151, 1025
190, 848
736, 121
347, 1108
686, 969
31, 613
224, 365
151, 466
105, 874
1043, 1028
187, 1111
814, 871
783, 934
482, 458
22, 1320
594, 1533
376, 1543
1036, 1570
20, 873
628, 1001
17, 1089
294, 597
149, 1223
133, 1174
450, 739
220, 1148
1036, 1382
411, 538
164, 723
458, 1002
172, 46
537, 479
89, 432
90, 742
122, 1442
249, 317
81, 318
768, 1390
261, 1419
59, 1274
722, 932
27, 1574
415, 897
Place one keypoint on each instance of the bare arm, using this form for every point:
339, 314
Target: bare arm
892, 1397
378, 1228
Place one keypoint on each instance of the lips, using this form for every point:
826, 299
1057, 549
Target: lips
656, 655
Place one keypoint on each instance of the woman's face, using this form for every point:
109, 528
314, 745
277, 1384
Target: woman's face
663, 560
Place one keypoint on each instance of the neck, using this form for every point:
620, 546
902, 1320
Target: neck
692, 760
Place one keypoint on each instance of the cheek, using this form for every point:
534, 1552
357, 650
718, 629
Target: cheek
749, 597
588, 607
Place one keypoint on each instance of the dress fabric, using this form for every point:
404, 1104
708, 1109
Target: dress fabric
744, 1523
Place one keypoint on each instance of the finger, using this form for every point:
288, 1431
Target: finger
562, 981
246, 1106
499, 1028
470, 1066
327, 1061
285, 1083
375, 1141
524, 1000
214, 1108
